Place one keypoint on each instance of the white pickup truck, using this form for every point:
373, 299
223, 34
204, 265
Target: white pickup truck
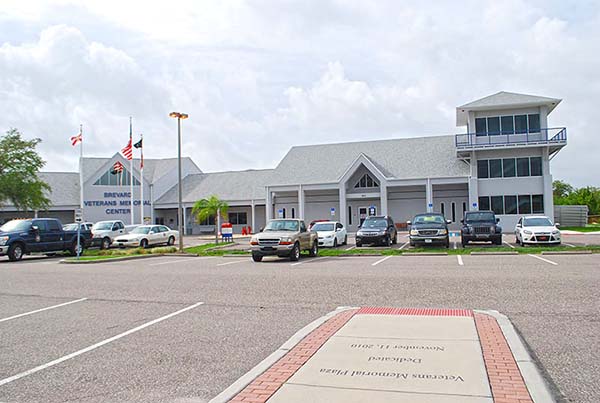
105, 232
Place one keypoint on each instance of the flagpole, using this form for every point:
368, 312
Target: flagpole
81, 168
131, 168
142, 180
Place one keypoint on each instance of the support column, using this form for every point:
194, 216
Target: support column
548, 193
152, 204
253, 219
429, 195
383, 198
269, 205
300, 202
343, 208
473, 185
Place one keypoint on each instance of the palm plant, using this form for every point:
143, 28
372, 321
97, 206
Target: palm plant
211, 207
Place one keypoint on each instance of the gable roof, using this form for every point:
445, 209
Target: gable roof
64, 188
230, 186
503, 100
407, 158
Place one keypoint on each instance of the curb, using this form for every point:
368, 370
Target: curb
246, 255
424, 254
495, 253
236, 387
538, 386
567, 252
108, 260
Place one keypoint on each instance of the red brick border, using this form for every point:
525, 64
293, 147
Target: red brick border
371, 310
263, 387
504, 375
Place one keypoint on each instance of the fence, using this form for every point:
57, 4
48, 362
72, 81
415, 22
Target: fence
571, 216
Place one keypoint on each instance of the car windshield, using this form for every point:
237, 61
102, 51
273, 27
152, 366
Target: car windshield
16, 225
323, 227
375, 223
282, 225
106, 225
140, 230
428, 219
70, 227
537, 222
479, 217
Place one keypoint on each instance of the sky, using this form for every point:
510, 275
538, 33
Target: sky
258, 77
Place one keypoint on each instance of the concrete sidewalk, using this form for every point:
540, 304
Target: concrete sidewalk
398, 355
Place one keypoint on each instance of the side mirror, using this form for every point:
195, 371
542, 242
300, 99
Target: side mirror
35, 228
448, 221
519, 226
462, 221
409, 222
557, 224
497, 220
260, 229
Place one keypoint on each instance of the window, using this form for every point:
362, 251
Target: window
521, 124
524, 204
493, 125
523, 166
534, 123
507, 123
302, 226
464, 209
480, 127
537, 204
366, 182
497, 204
496, 168
116, 179
283, 210
238, 218
443, 209
484, 203
509, 169
536, 166
209, 221
482, 169
510, 204
453, 212
41, 224
349, 215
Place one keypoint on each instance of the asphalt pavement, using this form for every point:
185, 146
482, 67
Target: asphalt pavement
178, 329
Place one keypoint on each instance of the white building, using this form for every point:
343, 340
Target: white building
500, 162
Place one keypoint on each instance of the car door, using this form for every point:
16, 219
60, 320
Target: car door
43, 240
339, 233
55, 236
117, 229
159, 235
519, 228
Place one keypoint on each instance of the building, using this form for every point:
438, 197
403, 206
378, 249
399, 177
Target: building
500, 162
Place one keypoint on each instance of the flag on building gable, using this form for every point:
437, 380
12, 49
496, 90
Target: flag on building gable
117, 168
77, 139
127, 151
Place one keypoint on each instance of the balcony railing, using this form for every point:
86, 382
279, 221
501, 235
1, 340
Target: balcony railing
557, 135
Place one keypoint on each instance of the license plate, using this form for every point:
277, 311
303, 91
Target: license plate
543, 238
480, 235
428, 241
267, 248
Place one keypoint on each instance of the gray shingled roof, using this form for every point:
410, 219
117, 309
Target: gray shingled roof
501, 100
409, 158
65, 188
231, 185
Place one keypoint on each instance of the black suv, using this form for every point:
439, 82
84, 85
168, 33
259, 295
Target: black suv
377, 230
480, 226
429, 229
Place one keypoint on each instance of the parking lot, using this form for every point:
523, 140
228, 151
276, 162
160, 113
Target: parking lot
182, 329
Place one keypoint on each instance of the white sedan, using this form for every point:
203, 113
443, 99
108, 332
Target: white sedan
331, 233
537, 230
146, 235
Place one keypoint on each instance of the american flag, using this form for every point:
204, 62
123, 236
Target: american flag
127, 151
76, 139
117, 168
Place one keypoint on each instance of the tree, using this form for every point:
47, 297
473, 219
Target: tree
561, 189
211, 207
19, 167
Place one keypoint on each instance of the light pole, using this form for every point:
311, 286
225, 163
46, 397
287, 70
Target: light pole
179, 116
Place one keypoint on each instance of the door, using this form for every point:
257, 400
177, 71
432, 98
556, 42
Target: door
304, 236
362, 215
43, 239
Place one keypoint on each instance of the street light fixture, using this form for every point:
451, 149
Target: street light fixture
179, 116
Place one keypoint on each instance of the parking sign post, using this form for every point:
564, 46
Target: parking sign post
78, 220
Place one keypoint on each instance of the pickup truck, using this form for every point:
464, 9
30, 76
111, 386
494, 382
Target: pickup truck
39, 235
284, 238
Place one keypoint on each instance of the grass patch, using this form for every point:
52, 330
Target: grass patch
587, 228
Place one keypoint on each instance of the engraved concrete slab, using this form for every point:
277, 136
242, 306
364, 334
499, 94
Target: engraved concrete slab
411, 327
444, 366
315, 394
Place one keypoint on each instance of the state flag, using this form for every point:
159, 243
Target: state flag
76, 139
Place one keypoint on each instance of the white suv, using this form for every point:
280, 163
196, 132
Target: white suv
104, 232
537, 230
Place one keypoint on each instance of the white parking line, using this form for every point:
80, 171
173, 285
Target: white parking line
233, 262
309, 260
454, 243
42, 309
94, 346
350, 248
512, 246
381, 260
545, 260
187, 259
569, 244
460, 261
404, 245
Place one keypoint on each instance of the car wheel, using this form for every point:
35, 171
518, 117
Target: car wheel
411, 244
498, 241
295, 253
144, 243
335, 243
105, 243
314, 251
395, 240
15, 252
345, 239
388, 241
447, 244
517, 240
171, 241
463, 243
358, 244
73, 251
256, 257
